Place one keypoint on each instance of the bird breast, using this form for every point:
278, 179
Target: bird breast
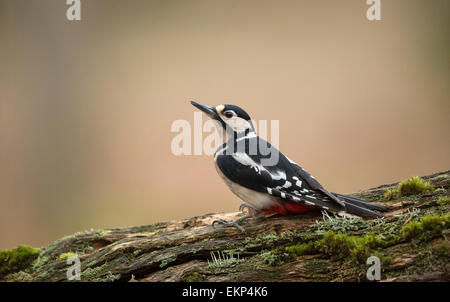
257, 200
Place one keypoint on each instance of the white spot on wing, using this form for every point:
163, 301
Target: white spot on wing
287, 184
277, 175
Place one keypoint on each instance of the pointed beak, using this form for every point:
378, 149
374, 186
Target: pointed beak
210, 111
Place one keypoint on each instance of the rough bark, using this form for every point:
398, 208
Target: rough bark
181, 250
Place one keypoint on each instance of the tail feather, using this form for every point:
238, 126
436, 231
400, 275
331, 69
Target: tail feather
347, 204
360, 211
361, 203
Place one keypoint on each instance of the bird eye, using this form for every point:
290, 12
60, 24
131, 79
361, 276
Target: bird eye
228, 114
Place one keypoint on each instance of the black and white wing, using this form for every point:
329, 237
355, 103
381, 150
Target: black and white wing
351, 205
285, 179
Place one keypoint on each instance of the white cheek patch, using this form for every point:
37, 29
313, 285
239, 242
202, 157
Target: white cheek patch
238, 124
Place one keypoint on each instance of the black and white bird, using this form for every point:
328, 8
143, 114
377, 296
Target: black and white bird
245, 163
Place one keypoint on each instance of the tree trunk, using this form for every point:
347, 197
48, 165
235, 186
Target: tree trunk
271, 250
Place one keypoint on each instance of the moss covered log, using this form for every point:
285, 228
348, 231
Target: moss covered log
411, 242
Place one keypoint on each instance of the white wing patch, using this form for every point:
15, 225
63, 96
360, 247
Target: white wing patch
287, 184
277, 175
246, 160
296, 196
298, 182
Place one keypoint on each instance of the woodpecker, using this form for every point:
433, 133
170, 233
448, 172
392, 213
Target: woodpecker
246, 164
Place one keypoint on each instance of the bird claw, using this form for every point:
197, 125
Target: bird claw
221, 221
231, 223
243, 206
250, 210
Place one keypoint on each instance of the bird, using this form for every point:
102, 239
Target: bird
246, 164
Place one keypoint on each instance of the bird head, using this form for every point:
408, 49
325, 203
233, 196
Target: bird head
231, 117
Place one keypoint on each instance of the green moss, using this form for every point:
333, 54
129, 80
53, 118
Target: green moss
386, 261
391, 194
193, 277
17, 259
413, 186
426, 228
90, 272
342, 245
443, 200
339, 246
67, 255
301, 249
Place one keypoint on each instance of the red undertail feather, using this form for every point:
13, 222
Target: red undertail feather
288, 208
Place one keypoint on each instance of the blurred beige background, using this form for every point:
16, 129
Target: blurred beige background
86, 107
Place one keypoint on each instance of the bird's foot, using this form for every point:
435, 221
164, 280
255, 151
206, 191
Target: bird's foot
252, 212
234, 223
